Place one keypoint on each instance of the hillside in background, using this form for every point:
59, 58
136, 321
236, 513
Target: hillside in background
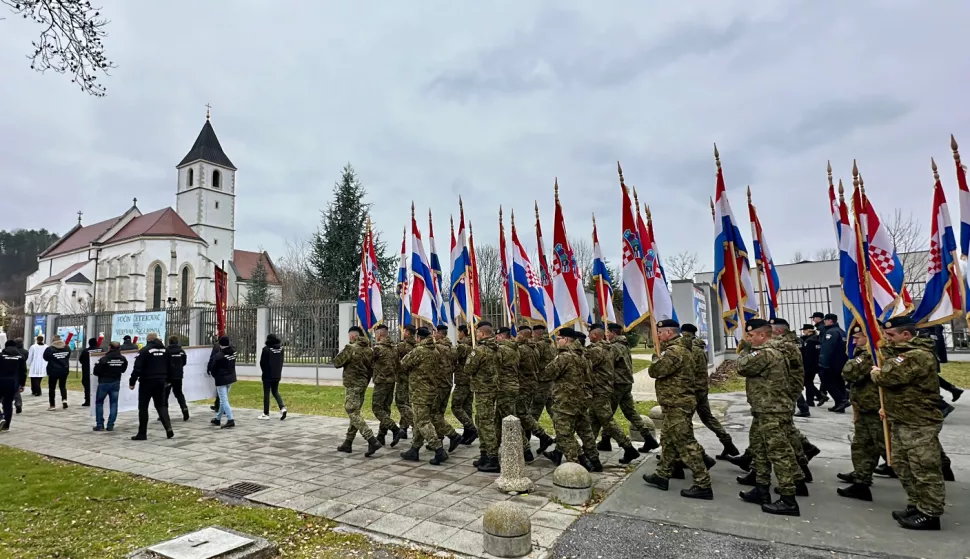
18, 259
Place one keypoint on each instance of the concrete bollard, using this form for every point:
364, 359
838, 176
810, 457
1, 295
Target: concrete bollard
649, 424
574, 485
507, 530
513, 478
657, 415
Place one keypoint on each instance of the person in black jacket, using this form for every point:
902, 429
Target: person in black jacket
18, 400
127, 345
58, 357
176, 366
109, 370
151, 370
85, 360
208, 370
224, 374
810, 346
831, 359
271, 367
13, 377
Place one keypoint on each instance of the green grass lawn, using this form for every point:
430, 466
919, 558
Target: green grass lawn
50, 509
957, 373
734, 383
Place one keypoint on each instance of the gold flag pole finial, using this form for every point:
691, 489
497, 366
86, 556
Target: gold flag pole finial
855, 174
619, 170
713, 215
636, 201
451, 223
956, 150
512, 217
412, 209
717, 156
646, 209
537, 210
936, 173
749, 193
828, 171
556, 187
841, 192
461, 206
500, 214
594, 221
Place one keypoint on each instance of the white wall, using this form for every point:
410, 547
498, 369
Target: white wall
197, 206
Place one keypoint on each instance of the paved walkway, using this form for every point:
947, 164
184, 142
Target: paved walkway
439, 506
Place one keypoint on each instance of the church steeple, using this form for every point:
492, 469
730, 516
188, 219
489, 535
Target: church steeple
207, 148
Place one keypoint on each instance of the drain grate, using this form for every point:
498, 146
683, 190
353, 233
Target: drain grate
240, 490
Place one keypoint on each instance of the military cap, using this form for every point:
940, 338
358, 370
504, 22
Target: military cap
410, 328
357, 329
504, 330
899, 322
381, 327
463, 329
778, 322
525, 327
581, 337
596, 326
614, 327
754, 324
832, 317
668, 323
442, 328
539, 327
567, 332
689, 328
483, 324
818, 315
808, 327
422, 332
856, 329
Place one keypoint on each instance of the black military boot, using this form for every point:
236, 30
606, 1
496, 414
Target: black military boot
491, 466
786, 505
554, 456
801, 490
404, 433
439, 456
545, 441
604, 444
900, 514
411, 455
468, 436
743, 461
395, 436
649, 442
948, 472
373, 445
382, 436
846, 478
454, 441
678, 472
884, 470
856, 491
809, 478
811, 451
597, 465
695, 492
185, 414
529, 457
629, 454
920, 521
584, 462
748, 479
955, 393
482, 458
661, 483
729, 450
347, 446
760, 495
709, 462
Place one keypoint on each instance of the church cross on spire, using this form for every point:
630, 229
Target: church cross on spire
134, 202
79, 213
208, 111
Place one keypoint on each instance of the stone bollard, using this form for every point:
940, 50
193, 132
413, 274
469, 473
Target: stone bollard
649, 424
574, 485
657, 415
507, 530
513, 478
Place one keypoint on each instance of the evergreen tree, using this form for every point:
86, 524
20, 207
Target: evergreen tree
334, 259
258, 293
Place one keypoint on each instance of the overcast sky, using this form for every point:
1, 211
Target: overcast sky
490, 101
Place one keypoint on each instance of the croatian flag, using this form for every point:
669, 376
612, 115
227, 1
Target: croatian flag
865, 266
964, 213
635, 305
404, 301
508, 283
423, 303
657, 289
567, 289
852, 301
944, 297
602, 280
531, 295
732, 276
459, 269
476, 295
545, 278
763, 261
439, 294
891, 296
370, 308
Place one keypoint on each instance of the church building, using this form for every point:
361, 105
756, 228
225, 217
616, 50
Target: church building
153, 261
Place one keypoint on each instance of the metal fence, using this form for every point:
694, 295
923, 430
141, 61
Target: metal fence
796, 305
79, 322
240, 328
310, 331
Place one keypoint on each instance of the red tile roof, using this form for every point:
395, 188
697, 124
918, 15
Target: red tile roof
245, 262
79, 237
63, 274
160, 223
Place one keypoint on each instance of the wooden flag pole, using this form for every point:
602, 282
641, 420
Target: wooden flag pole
759, 264
653, 321
471, 286
600, 291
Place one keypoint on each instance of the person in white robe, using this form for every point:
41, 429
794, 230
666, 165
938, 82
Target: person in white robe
38, 367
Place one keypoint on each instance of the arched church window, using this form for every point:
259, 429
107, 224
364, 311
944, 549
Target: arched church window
215, 179
30, 308
191, 177
157, 287
185, 286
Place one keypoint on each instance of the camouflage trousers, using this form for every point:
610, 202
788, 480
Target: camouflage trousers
485, 421
462, 405
567, 427
868, 444
707, 417
425, 431
680, 446
441, 425
523, 410
917, 458
353, 402
771, 449
402, 398
795, 438
622, 398
504, 406
601, 416
542, 400
381, 402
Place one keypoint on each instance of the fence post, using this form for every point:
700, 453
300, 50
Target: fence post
345, 319
195, 327
835, 294
262, 325
89, 326
28, 329
51, 327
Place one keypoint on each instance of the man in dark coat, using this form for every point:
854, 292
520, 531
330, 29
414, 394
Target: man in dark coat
224, 374
176, 365
13, 377
810, 346
832, 358
85, 360
151, 374
271, 372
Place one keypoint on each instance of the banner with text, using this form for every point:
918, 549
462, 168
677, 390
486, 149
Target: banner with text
138, 324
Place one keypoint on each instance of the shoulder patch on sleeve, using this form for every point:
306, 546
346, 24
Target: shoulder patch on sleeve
755, 352
899, 359
858, 360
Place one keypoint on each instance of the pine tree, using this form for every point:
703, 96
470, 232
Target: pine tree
334, 260
258, 293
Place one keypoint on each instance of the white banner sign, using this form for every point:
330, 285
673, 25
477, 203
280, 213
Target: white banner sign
138, 325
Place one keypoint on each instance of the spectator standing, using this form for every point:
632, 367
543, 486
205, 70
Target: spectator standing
109, 370
151, 374
271, 369
37, 365
58, 358
224, 374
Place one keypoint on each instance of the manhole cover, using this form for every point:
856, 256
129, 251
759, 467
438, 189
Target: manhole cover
240, 490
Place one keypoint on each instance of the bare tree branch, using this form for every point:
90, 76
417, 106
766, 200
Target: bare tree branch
906, 233
683, 265
797, 257
69, 41
826, 254
489, 271
583, 253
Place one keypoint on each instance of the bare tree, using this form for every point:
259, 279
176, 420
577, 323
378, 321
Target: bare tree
683, 265
69, 41
797, 257
823, 254
296, 282
906, 233
583, 253
489, 271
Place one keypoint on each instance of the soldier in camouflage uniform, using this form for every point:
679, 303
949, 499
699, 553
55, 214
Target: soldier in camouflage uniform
699, 354
528, 382
385, 373
673, 369
462, 401
423, 365
765, 370
446, 374
868, 440
623, 390
570, 402
482, 368
601, 357
508, 378
402, 391
546, 353
911, 388
356, 359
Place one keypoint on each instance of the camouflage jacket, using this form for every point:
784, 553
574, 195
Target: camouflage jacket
622, 361
765, 371
422, 365
567, 372
546, 353
462, 349
581, 350
864, 394
447, 371
910, 382
699, 354
601, 357
386, 362
789, 346
673, 368
508, 367
356, 360
403, 348
528, 365
481, 366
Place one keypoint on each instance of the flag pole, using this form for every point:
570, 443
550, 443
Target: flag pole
867, 279
515, 289
956, 265
503, 256
643, 268
734, 259
653, 317
956, 159
470, 296
759, 264
401, 292
600, 292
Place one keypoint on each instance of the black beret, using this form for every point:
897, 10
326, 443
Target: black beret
778, 322
463, 329
422, 332
567, 332
539, 327
357, 329
596, 326
504, 330
483, 323
668, 323
381, 326
899, 321
808, 327
127, 338
832, 317
525, 327
614, 327
818, 315
410, 328
856, 329
755, 323
442, 328
689, 328
580, 335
